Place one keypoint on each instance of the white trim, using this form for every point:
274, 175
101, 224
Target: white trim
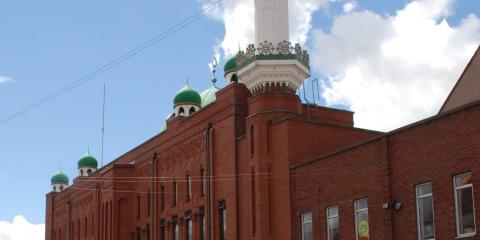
417, 198
304, 223
337, 216
359, 211
455, 188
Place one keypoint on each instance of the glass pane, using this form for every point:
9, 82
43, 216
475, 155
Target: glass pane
463, 179
333, 229
424, 189
361, 204
465, 211
332, 211
307, 231
307, 217
362, 226
425, 218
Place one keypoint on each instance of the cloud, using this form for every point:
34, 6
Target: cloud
238, 18
393, 70
349, 6
21, 229
5, 79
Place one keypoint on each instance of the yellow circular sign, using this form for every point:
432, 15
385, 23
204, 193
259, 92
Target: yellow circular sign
363, 228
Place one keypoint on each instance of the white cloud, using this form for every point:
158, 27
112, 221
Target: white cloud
5, 79
394, 70
349, 6
238, 17
21, 229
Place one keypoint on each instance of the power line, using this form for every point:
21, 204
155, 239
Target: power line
146, 45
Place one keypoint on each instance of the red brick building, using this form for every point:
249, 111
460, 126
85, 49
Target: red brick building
251, 161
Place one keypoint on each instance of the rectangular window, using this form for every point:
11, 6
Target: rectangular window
175, 188
307, 233
189, 188
222, 214
202, 182
201, 221
174, 229
464, 205
162, 196
188, 226
361, 219
163, 230
148, 202
333, 230
138, 206
426, 228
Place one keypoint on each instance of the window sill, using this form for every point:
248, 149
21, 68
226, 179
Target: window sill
466, 236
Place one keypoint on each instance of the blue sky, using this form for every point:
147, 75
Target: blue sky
44, 45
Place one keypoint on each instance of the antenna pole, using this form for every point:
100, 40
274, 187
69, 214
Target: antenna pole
103, 119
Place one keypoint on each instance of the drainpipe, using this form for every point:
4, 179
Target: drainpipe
153, 211
209, 178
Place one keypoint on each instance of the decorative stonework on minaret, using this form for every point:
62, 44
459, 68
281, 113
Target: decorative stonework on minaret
272, 63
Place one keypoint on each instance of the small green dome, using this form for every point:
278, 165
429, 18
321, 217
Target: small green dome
59, 178
230, 65
186, 95
88, 161
208, 96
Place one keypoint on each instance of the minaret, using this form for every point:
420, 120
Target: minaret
272, 63
271, 21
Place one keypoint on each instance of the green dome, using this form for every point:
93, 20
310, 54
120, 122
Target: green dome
59, 178
88, 161
186, 95
208, 96
230, 65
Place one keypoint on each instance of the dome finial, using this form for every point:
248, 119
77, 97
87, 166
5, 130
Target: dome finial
214, 70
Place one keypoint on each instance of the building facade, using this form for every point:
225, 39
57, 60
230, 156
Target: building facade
251, 161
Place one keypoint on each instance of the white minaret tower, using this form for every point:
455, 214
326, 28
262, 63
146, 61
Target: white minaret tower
271, 21
272, 63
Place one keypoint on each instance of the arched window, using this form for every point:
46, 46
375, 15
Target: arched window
192, 111
181, 111
89, 172
54, 188
81, 172
61, 188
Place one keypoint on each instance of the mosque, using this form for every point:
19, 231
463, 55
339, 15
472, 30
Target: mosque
251, 161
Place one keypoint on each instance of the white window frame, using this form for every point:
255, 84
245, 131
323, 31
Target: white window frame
332, 217
455, 188
358, 211
417, 197
304, 223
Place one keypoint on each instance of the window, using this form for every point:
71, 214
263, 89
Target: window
307, 233
202, 181
174, 229
188, 226
163, 232
89, 172
426, 228
252, 141
148, 202
181, 111
189, 188
333, 230
222, 214
192, 111
201, 228
361, 219
162, 197
464, 207
138, 206
175, 197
